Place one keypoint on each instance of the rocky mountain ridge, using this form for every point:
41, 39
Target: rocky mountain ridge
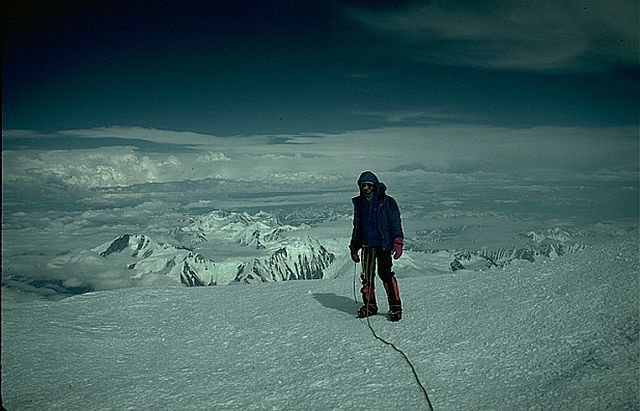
146, 258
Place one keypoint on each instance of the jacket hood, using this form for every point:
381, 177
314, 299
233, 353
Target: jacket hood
378, 187
368, 176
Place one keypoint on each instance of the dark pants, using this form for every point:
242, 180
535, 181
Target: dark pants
372, 257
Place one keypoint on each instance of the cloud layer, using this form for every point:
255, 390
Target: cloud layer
328, 159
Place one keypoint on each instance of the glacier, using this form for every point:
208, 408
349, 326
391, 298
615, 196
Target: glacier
559, 335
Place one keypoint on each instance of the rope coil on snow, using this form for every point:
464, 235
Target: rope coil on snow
369, 272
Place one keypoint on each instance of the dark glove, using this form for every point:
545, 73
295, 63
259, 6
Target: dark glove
396, 252
354, 254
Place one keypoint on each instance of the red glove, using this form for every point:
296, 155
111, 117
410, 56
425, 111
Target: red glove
354, 254
396, 252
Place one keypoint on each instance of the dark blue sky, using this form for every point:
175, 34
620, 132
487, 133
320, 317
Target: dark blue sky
258, 67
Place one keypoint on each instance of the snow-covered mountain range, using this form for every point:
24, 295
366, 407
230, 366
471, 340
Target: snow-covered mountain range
273, 251
258, 231
530, 246
147, 258
281, 258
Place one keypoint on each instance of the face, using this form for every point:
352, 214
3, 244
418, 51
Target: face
367, 188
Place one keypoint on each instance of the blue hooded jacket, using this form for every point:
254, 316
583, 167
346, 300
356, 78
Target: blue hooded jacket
389, 223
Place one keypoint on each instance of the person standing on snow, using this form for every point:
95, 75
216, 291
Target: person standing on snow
377, 230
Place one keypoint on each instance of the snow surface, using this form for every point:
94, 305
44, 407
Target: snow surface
560, 335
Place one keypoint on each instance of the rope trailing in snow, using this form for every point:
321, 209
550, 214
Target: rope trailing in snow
413, 370
369, 273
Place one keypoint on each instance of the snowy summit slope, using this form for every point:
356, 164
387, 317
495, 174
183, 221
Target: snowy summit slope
556, 336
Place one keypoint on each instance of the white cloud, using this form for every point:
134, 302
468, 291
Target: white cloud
211, 156
104, 167
570, 35
149, 134
418, 117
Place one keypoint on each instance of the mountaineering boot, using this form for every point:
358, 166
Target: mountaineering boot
395, 314
370, 306
367, 310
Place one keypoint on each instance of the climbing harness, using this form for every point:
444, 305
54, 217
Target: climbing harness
368, 275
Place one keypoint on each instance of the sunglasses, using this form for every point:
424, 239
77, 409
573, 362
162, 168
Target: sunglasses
365, 185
